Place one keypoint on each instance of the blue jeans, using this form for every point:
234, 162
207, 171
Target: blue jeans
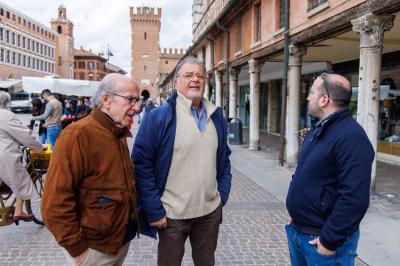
52, 135
302, 253
42, 138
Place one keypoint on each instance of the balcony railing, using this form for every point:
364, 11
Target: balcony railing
209, 17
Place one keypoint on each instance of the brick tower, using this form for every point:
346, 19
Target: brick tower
145, 32
65, 44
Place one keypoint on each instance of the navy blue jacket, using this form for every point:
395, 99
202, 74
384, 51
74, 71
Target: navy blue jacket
152, 156
331, 186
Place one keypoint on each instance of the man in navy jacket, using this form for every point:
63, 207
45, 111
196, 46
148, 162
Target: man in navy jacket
329, 192
183, 172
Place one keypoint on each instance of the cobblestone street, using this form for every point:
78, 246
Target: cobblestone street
252, 233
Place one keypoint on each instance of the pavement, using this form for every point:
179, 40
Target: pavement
252, 232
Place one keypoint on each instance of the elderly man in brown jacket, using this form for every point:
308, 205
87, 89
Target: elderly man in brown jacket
89, 199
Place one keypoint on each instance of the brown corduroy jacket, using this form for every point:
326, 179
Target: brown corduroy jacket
90, 186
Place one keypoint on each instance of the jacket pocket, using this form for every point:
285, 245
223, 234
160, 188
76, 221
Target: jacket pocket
98, 213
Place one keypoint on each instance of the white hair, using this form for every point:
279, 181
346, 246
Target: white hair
106, 87
5, 99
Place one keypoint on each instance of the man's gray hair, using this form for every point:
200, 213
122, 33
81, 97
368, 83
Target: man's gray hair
106, 87
188, 60
5, 99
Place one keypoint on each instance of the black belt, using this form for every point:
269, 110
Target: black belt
307, 230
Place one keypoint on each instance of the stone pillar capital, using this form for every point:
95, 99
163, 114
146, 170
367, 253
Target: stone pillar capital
372, 28
233, 73
254, 66
218, 74
295, 54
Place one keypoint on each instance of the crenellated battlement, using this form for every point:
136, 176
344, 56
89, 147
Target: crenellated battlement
145, 12
172, 51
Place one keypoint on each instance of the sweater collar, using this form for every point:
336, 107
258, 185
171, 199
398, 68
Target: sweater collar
319, 127
108, 123
187, 105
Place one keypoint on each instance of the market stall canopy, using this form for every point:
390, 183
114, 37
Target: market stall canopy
68, 87
13, 85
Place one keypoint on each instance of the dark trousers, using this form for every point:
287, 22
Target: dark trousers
203, 236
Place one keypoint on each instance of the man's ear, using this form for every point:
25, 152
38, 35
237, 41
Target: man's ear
106, 101
324, 101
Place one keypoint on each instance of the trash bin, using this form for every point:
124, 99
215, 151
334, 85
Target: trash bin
235, 132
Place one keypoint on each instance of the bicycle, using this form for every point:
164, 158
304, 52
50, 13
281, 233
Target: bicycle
36, 164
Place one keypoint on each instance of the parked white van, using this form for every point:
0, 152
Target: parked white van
21, 102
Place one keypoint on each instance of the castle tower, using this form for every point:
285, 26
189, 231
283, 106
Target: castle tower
145, 49
65, 44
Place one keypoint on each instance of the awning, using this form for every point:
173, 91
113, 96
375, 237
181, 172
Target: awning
13, 85
62, 86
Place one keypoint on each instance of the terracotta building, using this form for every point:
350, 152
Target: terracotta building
27, 48
88, 65
91, 66
65, 44
149, 64
243, 44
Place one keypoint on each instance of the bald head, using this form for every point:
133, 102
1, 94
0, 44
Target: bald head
337, 87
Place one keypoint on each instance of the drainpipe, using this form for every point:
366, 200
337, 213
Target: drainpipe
226, 69
284, 85
212, 63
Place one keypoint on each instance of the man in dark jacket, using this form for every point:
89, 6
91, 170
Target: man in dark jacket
329, 193
182, 169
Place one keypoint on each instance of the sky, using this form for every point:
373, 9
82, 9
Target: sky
98, 23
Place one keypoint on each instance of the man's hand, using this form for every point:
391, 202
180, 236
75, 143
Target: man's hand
162, 223
80, 258
320, 248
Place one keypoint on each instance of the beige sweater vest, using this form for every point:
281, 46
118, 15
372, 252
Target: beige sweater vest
191, 189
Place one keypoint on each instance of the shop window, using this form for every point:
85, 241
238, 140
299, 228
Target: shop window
315, 3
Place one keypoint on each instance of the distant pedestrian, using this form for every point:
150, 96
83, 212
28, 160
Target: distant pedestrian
89, 201
183, 172
149, 105
38, 107
329, 193
52, 115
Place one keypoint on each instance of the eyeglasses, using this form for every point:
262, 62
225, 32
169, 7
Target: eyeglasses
324, 77
190, 75
132, 100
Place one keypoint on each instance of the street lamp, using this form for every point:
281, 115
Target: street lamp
109, 53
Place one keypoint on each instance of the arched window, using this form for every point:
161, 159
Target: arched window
59, 30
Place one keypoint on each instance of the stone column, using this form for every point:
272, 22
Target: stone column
233, 88
254, 131
293, 104
371, 29
218, 88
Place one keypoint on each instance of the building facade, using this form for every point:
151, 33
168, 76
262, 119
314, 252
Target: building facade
27, 48
88, 65
243, 45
